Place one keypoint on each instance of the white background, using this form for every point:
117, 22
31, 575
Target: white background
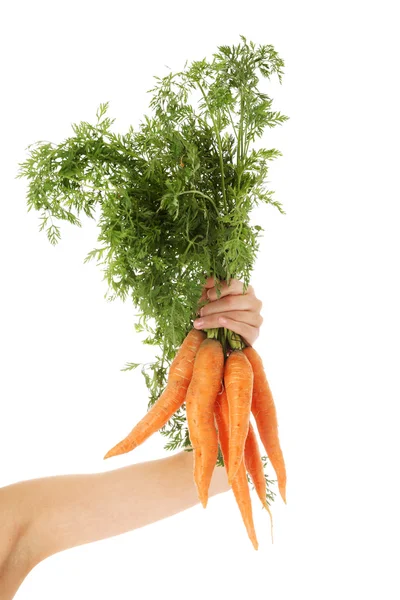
327, 273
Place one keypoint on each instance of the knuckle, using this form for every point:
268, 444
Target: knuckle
229, 301
210, 320
204, 311
250, 289
233, 314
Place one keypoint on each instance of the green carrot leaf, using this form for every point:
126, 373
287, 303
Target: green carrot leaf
173, 197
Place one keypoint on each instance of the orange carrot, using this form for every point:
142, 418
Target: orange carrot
240, 485
200, 399
170, 400
264, 411
238, 380
255, 469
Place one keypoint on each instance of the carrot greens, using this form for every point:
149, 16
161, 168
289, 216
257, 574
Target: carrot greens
172, 198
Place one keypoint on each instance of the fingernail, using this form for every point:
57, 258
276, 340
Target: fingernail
198, 323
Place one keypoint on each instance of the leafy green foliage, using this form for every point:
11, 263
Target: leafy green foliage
174, 196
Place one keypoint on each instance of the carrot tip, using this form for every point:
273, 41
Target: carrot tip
203, 499
115, 451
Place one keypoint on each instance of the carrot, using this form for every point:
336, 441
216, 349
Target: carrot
255, 469
238, 380
240, 485
264, 411
200, 399
171, 399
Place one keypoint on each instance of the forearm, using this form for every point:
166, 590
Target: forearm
70, 510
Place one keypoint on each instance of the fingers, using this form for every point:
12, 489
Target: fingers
245, 329
235, 287
233, 310
240, 316
232, 303
210, 282
248, 333
203, 297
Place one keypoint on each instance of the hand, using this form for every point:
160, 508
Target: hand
234, 310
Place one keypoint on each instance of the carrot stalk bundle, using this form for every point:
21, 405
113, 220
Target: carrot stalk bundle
180, 374
174, 220
264, 411
240, 485
200, 399
238, 380
255, 469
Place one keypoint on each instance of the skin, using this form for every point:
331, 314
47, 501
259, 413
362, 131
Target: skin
41, 517
234, 310
52, 514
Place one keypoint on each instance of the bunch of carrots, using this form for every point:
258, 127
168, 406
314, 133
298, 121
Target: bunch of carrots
220, 393
194, 218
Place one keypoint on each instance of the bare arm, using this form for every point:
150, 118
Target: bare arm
41, 517
60, 512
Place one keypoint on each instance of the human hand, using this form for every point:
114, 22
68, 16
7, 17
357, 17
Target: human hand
234, 310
